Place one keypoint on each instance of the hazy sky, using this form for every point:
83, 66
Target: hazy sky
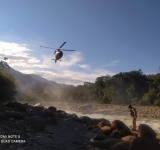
109, 36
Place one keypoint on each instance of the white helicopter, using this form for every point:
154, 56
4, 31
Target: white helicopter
58, 52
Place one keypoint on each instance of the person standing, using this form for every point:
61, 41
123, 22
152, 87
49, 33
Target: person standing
133, 114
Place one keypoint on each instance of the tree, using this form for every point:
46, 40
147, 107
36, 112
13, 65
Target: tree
125, 87
153, 95
7, 86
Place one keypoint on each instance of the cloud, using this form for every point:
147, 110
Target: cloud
68, 61
57, 77
21, 59
70, 77
17, 54
71, 59
84, 66
113, 63
12, 48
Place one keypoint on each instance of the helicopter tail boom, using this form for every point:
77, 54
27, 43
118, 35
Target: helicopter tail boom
55, 60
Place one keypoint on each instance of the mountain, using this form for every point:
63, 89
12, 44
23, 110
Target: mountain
40, 79
30, 82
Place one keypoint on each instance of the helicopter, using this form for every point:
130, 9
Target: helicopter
58, 52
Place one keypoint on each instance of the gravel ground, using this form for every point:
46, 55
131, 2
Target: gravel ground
142, 111
66, 135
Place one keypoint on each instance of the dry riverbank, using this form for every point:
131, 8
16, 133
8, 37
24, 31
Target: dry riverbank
108, 109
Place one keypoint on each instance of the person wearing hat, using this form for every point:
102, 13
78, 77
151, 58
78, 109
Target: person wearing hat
133, 114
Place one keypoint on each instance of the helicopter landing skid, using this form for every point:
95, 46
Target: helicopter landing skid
56, 59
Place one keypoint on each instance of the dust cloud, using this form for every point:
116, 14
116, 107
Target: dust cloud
58, 98
108, 112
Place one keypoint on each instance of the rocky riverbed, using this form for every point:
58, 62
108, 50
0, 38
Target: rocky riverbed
109, 109
26, 127
146, 114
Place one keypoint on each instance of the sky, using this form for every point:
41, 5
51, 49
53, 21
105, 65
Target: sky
109, 36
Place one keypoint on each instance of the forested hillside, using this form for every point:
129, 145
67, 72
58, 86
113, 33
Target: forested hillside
123, 88
7, 87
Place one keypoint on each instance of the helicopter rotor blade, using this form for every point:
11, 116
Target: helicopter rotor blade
48, 47
62, 44
67, 50
58, 48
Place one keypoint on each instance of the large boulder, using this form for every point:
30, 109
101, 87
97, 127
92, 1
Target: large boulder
140, 143
105, 144
104, 123
14, 115
115, 134
52, 109
128, 138
61, 114
106, 132
43, 114
146, 131
74, 117
36, 122
52, 120
86, 119
99, 136
38, 108
16, 106
120, 127
105, 128
121, 145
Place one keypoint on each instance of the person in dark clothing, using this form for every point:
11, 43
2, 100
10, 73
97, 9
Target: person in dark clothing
133, 114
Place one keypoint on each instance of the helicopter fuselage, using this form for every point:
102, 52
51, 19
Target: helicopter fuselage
58, 54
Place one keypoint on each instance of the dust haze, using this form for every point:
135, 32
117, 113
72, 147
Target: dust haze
60, 98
